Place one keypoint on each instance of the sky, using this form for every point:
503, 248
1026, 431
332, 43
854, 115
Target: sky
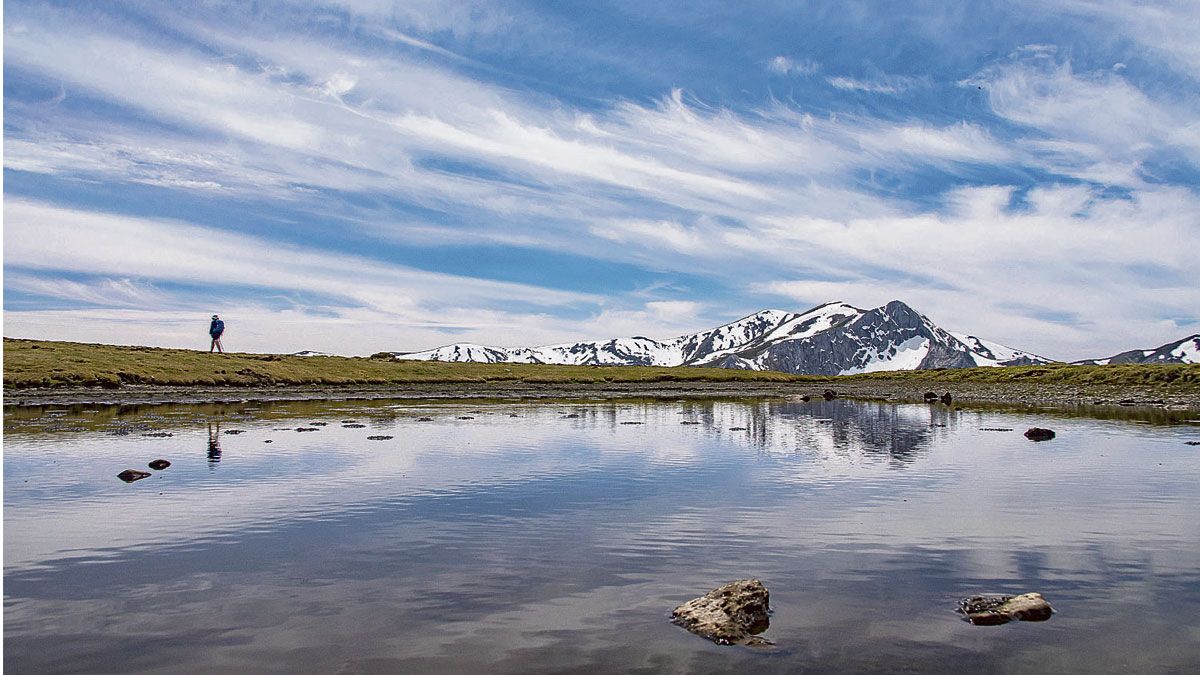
354, 176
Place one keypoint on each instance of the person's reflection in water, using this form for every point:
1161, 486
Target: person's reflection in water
214, 446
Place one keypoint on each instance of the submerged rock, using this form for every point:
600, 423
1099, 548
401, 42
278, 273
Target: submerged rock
130, 475
992, 609
1039, 434
159, 464
732, 614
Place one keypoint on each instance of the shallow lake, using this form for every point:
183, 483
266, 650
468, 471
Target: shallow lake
557, 537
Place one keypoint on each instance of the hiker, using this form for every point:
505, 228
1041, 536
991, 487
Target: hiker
215, 329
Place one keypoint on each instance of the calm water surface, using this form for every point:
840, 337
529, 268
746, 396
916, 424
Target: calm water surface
557, 537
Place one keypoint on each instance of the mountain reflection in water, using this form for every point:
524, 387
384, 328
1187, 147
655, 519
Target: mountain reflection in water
559, 539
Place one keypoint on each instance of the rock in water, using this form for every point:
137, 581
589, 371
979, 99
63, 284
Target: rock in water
732, 614
159, 464
947, 398
993, 609
130, 475
1039, 434
930, 396
829, 394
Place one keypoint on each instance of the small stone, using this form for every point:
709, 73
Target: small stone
631, 422
737, 428
732, 614
234, 432
992, 609
946, 398
130, 475
305, 429
464, 417
806, 398
380, 438
354, 426
424, 419
1039, 434
689, 422
318, 424
159, 464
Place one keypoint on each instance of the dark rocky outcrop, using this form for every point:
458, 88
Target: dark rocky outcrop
992, 609
946, 398
1039, 434
159, 464
732, 614
130, 475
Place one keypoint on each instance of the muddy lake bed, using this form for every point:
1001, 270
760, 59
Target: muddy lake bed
557, 536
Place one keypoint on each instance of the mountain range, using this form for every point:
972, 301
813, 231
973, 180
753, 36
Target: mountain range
831, 339
1186, 350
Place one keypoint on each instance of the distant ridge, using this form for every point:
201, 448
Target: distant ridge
1186, 350
831, 339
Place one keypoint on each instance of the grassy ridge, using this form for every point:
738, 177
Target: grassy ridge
36, 363
1170, 374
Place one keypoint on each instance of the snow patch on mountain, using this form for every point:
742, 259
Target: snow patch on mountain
907, 355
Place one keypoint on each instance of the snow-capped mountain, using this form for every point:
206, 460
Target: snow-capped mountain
832, 339
1186, 350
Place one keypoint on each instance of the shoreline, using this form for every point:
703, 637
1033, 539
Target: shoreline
1022, 394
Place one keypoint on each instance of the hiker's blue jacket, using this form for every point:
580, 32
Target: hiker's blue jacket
217, 327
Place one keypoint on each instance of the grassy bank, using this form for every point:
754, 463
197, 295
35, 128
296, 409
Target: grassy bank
36, 363
1171, 375
42, 364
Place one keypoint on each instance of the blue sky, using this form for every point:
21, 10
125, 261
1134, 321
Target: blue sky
358, 175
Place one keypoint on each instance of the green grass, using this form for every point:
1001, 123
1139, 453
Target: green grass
36, 363
1179, 375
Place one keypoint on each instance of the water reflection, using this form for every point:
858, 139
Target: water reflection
559, 539
214, 445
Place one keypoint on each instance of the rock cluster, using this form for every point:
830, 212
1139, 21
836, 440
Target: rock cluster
994, 609
732, 614
1039, 434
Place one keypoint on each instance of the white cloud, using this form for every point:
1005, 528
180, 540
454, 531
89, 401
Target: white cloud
893, 84
788, 66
